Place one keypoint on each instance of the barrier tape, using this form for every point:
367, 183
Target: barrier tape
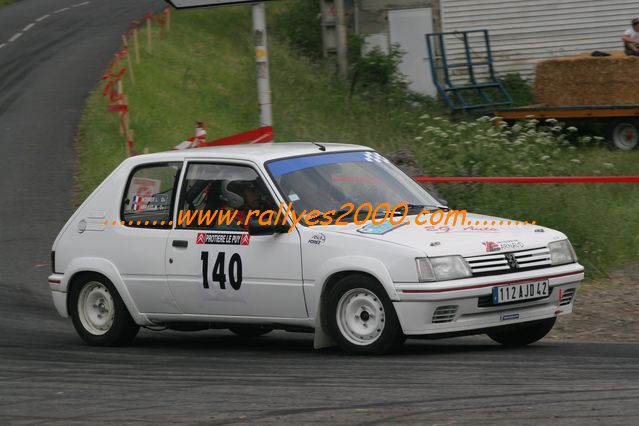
119, 75
531, 179
108, 88
259, 135
117, 108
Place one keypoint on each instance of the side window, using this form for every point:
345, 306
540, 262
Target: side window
149, 196
218, 196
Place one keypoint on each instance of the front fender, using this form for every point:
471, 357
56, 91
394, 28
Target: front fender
368, 265
108, 269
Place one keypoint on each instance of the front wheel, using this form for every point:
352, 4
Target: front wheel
523, 335
361, 317
624, 134
99, 315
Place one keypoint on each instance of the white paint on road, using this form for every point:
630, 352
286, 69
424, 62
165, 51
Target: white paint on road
42, 18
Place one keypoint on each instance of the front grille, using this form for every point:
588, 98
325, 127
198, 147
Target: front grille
495, 264
444, 314
566, 296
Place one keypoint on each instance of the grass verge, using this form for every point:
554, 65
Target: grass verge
204, 70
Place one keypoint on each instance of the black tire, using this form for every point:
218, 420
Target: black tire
119, 331
623, 134
382, 317
523, 335
250, 330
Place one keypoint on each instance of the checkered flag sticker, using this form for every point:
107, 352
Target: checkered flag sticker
374, 157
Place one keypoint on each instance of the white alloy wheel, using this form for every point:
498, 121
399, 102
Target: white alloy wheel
360, 316
96, 309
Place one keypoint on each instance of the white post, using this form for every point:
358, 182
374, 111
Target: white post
261, 59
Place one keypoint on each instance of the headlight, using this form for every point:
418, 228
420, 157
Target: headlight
561, 252
442, 268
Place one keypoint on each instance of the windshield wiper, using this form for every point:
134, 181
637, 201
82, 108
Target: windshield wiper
421, 207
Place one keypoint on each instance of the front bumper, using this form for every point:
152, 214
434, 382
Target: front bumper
458, 306
59, 294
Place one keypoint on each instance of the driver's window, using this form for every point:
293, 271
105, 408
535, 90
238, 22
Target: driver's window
221, 196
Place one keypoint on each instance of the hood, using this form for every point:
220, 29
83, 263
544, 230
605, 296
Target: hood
465, 240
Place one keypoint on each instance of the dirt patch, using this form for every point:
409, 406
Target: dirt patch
605, 310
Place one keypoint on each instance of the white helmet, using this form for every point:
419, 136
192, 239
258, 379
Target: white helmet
233, 199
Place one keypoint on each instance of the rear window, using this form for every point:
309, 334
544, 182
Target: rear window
149, 195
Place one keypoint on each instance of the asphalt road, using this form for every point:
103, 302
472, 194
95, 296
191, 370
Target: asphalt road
47, 375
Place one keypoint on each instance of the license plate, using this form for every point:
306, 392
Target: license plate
522, 291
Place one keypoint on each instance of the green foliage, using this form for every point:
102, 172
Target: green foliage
298, 24
379, 69
519, 88
470, 148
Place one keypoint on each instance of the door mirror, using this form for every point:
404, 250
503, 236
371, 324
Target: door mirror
255, 228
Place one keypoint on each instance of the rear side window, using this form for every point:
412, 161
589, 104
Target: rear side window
149, 195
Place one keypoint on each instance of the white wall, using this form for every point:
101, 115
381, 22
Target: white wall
526, 31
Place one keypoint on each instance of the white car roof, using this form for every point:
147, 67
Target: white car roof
258, 153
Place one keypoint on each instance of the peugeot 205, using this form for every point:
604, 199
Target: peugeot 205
125, 260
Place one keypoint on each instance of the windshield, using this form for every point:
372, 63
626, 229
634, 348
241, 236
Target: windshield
326, 182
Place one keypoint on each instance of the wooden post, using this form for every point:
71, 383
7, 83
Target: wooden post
129, 143
136, 45
148, 35
128, 58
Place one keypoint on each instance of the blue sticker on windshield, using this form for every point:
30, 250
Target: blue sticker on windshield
289, 165
379, 229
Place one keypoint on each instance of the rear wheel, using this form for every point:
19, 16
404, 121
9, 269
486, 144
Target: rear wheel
250, 330
99, 315
624, 134
361, 317
523, 335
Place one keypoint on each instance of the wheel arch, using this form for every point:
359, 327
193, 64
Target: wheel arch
331, 273
82, 266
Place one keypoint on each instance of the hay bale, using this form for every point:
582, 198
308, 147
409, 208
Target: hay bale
587, 80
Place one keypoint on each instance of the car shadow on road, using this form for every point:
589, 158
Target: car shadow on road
210, 342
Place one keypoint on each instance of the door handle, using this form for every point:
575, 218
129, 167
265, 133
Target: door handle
180, 243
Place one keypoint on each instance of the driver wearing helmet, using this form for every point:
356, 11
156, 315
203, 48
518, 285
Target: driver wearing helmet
241, 196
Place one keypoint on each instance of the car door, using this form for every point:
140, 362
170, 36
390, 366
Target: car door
137, 247
219, 269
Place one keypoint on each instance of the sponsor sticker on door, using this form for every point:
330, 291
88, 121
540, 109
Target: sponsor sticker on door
223, 239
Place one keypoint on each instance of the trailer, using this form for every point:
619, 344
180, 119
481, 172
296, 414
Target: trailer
620, 121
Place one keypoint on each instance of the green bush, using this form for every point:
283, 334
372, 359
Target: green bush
298, 24
472, 148
519, 88
378, 69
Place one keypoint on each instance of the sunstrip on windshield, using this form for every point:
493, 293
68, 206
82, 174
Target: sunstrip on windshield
289, 165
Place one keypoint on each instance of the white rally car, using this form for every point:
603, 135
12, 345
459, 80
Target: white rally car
123, 261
